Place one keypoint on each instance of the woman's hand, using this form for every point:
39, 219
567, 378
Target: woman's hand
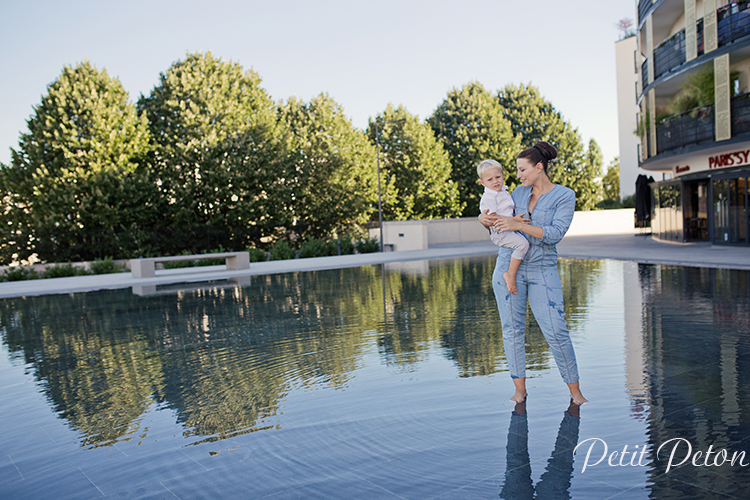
487, 219
515, 223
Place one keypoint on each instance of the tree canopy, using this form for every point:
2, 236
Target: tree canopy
533, 118
78, 170
207, 160
472, 127
216, 142
415, 165
330, 175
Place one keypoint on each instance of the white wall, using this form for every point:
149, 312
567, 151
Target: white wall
627, 77
421, 234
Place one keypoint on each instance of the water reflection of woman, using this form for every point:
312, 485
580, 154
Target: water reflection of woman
555, 481
549, 208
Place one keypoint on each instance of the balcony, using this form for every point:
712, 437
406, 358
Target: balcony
733, 23
643, 7
741, 115
697, 126
689, 128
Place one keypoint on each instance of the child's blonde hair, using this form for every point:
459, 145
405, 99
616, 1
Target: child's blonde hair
485, 165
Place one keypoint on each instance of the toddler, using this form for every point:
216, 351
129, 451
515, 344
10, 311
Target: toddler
496, 199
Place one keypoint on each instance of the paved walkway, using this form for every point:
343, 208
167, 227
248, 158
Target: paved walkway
629, 247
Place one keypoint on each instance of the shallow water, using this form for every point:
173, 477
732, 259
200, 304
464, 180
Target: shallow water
320, 385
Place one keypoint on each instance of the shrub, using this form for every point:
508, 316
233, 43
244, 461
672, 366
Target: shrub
179, 264
629, 201
19, 273
367, 245
106, 266
282, 250
347, 245
317, 248
64, 271
608, 204
257, 255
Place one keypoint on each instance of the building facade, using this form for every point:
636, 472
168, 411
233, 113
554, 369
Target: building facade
693, 117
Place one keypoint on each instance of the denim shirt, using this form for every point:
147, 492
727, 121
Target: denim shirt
553, 213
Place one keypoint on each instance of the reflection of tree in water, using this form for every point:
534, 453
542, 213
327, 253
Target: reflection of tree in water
223, 358
474, 336
99, 370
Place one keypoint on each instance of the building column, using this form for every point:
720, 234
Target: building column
722, 101
649, 49
710, 27
652, 121
691, 31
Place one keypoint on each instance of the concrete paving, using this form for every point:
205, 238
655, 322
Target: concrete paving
638, 248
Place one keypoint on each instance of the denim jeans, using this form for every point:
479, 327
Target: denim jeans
540, 285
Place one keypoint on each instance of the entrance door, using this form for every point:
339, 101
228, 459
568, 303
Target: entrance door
721, 211
737, 212
696, 210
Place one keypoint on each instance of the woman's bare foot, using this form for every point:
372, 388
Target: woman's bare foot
575, 394
519, 396
510, 282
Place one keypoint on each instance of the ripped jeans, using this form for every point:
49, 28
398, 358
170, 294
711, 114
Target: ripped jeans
540, 285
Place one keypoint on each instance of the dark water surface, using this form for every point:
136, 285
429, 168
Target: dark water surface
319, 385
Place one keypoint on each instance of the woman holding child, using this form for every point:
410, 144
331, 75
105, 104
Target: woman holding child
544, 212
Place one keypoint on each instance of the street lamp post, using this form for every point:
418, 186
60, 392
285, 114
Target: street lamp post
380, 198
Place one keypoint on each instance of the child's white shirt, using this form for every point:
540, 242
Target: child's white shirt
498, 202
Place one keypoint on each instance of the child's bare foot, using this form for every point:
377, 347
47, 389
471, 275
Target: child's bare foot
510, 282
519, 396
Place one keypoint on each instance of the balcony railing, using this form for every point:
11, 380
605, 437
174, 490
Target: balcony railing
643, 6
697, 126
691, 127
741, 115
644, 74
733, 22
669, 54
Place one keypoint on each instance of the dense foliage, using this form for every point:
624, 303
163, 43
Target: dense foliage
533, 118
414, 166
78, 169
471, 126
207, 160
216, 144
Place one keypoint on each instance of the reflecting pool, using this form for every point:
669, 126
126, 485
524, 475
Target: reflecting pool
377, 382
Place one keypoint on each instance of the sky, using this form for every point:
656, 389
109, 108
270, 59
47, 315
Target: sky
365, 55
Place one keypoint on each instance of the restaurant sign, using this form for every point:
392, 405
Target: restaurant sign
698, 163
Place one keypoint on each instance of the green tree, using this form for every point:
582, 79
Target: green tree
533, 119
611, 181
416, 166
217, 144
330, 175
79, 171
471, 126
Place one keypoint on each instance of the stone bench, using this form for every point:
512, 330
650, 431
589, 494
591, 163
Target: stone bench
146, 268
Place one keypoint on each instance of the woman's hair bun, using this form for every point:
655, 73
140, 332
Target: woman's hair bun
547, 150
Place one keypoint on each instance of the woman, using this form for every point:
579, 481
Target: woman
549, 210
